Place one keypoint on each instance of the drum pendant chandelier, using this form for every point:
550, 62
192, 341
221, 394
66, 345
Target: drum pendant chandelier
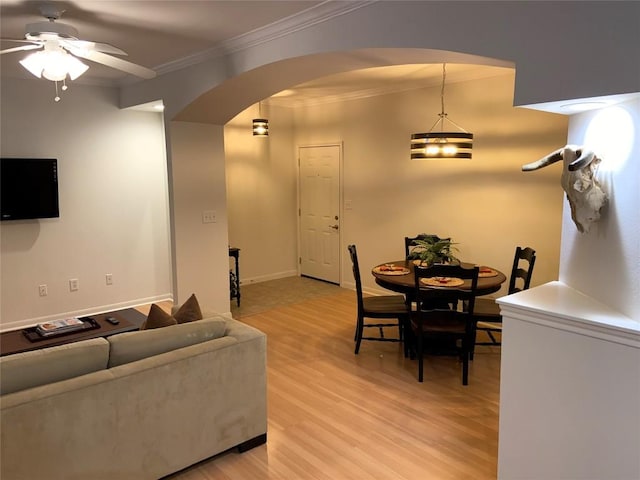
439, 145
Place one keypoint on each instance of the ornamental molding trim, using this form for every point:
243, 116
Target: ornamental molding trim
281, 28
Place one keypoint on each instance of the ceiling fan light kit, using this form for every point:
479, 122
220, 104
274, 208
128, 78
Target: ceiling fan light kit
61, 48
442, 144
54, 63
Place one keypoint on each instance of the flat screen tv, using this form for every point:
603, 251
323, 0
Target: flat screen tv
28, 188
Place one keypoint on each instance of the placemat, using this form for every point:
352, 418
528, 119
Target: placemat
487, 272
390, 270
442, 281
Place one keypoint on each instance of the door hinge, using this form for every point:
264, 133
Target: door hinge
300, 260
299, 212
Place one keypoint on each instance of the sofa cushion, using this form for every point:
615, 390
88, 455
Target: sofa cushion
48, 365
132, 346
157, 318
189, 311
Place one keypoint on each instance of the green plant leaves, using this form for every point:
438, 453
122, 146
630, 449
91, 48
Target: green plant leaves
434, 251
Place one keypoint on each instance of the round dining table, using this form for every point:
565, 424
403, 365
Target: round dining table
489, 281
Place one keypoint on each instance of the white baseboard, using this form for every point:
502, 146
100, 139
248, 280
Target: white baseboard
266, 278
84, 312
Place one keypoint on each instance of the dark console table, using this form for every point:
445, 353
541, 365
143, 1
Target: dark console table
129, 319
234, 277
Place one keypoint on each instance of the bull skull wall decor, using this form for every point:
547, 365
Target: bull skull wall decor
584, 192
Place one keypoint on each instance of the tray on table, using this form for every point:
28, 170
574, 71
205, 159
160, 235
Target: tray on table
33, 335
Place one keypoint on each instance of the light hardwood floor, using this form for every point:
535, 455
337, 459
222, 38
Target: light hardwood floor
335, 415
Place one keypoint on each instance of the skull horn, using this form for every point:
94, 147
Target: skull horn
553, 157
585, 157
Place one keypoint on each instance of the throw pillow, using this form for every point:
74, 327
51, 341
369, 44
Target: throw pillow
157, 318
189, 311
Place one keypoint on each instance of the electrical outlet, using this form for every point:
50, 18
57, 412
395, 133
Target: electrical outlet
42, 289
108, 278
73, 285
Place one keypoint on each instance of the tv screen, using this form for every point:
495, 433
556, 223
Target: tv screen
28, 188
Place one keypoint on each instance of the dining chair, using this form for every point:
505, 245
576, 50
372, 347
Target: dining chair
487, 311
410, 242
377, 307
430, 321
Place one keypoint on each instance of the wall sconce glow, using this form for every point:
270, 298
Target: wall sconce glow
611, 133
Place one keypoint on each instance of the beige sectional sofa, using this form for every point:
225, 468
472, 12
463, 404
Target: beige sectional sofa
137, 405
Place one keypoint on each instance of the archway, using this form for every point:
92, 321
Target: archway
224, 101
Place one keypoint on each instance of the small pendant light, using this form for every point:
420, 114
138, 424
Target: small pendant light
260, 125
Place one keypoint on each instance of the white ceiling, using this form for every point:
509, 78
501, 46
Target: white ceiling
162, 34
153, 33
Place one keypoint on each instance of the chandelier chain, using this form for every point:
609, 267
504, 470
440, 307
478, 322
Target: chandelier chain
444, 76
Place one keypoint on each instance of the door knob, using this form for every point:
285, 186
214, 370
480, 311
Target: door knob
335, 227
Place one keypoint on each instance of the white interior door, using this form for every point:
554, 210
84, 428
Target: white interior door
320, 212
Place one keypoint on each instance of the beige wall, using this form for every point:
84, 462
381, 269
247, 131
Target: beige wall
261, 194
487, 204
198, 185
113, 205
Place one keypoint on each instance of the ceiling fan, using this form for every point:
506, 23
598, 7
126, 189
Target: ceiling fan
59, 50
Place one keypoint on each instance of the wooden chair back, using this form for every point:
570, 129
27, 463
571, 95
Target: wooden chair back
435, 320
520, 273
353, 253
467, 292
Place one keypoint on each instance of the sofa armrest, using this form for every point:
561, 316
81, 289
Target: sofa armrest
241, 331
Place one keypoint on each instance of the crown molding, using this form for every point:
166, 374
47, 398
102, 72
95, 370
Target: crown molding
286, 26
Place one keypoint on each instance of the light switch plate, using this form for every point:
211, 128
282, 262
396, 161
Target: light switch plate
209, 216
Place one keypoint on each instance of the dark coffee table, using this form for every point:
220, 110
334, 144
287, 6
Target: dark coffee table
16, 341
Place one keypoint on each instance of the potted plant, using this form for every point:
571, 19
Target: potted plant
432, 250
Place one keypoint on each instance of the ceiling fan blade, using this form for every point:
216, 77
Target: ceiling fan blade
19, 49
19, 40
113, 62
86, 45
